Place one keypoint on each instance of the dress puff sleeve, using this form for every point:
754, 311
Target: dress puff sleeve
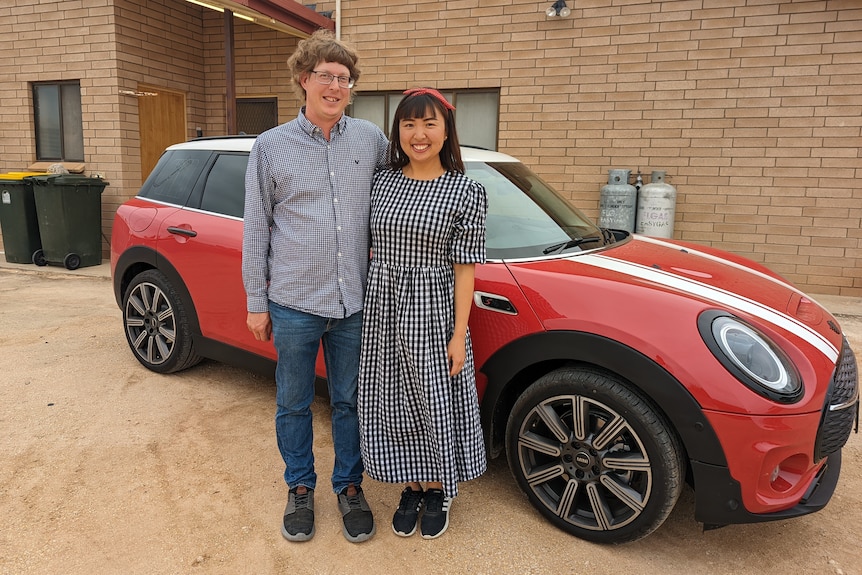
468, 239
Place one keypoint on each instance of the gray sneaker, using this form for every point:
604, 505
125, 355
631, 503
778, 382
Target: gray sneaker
356, 515
298, 522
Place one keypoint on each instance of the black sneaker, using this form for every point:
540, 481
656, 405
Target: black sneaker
298, 522
356, 515
435, 519
407, 515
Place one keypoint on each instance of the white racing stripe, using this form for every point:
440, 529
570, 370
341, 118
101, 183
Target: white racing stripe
722, 261
715, 294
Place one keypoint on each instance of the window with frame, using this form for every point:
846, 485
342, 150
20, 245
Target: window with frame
224, 192
477, 113
58, 121
175, 176
256, 115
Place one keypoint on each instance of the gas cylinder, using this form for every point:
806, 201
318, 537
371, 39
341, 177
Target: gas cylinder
656, 207
618, 202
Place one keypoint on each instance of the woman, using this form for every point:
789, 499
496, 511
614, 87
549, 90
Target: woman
418, 409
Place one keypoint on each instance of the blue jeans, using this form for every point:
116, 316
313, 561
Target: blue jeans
297, 337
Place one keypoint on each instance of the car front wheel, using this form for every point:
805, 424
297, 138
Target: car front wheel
156, 324
593, 456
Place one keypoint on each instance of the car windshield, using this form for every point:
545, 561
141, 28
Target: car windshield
526, 218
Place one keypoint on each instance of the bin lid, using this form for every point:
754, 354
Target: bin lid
66, 180
19, 175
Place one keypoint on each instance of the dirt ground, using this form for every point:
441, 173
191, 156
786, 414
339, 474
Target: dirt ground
109, 468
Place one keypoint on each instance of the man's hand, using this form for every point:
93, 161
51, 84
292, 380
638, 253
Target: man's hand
259, 325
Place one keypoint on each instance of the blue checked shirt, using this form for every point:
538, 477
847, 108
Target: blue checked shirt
305, 233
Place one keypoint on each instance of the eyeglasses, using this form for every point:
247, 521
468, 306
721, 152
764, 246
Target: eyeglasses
326, 79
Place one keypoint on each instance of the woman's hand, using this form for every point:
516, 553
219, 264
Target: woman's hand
457, 348
457, 351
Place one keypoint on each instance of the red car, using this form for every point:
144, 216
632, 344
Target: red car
612, 367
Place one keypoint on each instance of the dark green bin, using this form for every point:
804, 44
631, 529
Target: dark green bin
18, 218
69, 211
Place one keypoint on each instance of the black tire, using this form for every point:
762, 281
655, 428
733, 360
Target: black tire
72, 261
593, 456
39, 258
156, 324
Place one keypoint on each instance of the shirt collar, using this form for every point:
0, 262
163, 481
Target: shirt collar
309, 128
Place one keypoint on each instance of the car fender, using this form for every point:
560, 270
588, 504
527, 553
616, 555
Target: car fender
139, 258
513, 367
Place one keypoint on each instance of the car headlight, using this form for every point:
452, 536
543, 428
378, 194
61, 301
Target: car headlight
751, 357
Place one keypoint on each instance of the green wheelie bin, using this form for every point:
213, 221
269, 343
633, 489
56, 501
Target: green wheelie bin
69, 211
18, 217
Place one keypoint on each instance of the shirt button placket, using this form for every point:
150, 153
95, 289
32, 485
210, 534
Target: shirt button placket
334, 190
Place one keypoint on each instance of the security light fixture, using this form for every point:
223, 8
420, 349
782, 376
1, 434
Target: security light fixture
558, 8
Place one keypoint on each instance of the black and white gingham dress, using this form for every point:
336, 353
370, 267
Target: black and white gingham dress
416, 423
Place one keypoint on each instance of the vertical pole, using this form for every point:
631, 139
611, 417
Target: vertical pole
229, 73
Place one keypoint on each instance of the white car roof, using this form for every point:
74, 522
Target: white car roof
244, 144
229, 144
479, 155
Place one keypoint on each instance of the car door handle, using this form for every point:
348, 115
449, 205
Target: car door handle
182, 231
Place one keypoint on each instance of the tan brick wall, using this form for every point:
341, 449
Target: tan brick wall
51, 41
108, 46
752, 108
120, 46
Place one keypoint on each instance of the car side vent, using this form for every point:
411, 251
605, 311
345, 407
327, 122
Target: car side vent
494, 302
842, 407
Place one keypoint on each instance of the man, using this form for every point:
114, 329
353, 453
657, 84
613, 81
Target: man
304, 266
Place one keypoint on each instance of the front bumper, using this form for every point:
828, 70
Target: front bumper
779, 466
719, 497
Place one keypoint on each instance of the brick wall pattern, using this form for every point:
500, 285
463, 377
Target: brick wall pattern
116, 47
752, 107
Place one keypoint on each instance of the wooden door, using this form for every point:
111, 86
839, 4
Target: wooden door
162, 122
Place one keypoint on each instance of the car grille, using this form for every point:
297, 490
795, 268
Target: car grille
842, 407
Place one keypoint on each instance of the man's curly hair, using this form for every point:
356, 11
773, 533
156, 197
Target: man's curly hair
322, 46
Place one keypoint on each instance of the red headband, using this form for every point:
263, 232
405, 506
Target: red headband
430, 92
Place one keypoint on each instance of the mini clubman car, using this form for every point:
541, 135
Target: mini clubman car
612, 367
